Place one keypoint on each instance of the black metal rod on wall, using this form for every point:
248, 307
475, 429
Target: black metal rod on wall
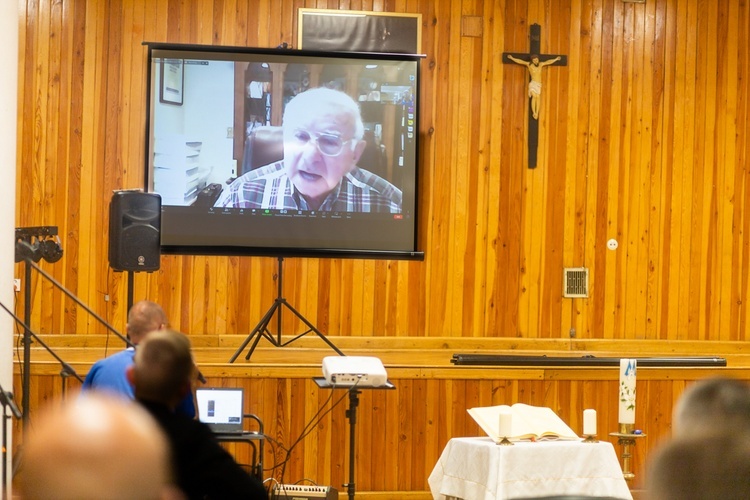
582, 361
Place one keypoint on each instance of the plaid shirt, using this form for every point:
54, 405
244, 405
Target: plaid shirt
269, 187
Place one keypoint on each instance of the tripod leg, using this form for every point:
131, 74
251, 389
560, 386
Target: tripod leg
257, 339
313, 329
257, 332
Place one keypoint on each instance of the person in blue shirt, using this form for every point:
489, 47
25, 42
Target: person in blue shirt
108, 374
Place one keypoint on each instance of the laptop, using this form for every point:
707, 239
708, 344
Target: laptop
221, 408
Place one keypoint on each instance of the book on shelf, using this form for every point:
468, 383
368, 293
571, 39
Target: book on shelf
526, 423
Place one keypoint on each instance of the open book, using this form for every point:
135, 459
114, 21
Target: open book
527, 422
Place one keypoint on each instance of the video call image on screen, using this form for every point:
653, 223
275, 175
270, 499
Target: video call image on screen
283, 152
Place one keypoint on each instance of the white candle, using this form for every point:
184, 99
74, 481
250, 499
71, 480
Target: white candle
505, 423
589, 422
627, 391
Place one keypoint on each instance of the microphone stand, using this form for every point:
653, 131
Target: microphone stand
6, 399
28, 334
67, 370
101, 320
122, 337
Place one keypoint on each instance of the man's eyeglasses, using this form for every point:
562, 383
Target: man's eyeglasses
327, 144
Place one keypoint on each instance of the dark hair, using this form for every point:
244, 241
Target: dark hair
162, 367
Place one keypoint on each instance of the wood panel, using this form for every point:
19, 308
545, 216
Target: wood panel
643, 138
400, 433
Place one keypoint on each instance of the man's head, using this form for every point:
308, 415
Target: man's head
162, 368
323, 133
144, 317
714, 402
93, 447
700, 467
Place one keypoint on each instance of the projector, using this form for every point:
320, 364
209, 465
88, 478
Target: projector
362, 371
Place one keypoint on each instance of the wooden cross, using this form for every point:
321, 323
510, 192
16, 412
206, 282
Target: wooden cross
534, 62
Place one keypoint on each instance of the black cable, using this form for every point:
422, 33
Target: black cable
317, 418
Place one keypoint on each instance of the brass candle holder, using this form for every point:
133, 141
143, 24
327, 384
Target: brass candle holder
626, 438
590, 438
505, 442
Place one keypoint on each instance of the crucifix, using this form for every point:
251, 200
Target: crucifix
534, 62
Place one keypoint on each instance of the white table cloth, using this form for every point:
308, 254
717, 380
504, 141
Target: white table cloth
477, 468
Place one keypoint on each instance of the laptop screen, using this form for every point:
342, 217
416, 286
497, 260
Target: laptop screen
221, 408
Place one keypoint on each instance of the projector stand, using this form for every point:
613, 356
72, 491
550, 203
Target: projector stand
261, 330
351, 414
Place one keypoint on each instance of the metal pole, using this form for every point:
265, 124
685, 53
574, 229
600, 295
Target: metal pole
26, 382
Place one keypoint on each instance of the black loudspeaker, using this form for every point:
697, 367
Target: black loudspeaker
134, 223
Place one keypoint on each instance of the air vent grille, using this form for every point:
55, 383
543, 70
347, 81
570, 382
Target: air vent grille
576, 282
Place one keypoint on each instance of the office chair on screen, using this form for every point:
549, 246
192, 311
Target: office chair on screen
264, 145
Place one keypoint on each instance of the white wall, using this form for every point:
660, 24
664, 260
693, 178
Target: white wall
206, 115
8, 112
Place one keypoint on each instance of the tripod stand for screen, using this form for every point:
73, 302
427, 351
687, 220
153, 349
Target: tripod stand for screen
261, 330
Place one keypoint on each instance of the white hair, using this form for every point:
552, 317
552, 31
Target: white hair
315, 100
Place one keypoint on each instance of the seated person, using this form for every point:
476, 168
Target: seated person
323, 133
701, 467
95, 447
708, 404
108, 374
161, 374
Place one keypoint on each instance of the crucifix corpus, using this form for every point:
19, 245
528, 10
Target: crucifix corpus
534, 62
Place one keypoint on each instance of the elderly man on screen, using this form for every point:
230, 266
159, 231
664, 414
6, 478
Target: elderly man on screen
323, 133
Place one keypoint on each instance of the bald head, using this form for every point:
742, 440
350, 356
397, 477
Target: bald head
144, 317
95, 447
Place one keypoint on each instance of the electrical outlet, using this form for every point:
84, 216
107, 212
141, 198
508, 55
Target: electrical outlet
17, 284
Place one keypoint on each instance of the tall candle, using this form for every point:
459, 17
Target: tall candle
627, 391
589, 422
506, 417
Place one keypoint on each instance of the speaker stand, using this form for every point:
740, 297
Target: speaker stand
261, 329
130, 290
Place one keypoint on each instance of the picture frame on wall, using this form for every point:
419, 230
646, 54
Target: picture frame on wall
172, 81
359, 31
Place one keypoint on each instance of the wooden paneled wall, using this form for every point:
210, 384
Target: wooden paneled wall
400, 434
643, 137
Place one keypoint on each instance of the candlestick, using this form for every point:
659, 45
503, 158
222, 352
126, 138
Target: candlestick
627, 391
626, 438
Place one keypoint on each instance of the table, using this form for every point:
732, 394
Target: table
250, 437
477, 468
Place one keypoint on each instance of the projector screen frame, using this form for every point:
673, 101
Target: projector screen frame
408, 251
